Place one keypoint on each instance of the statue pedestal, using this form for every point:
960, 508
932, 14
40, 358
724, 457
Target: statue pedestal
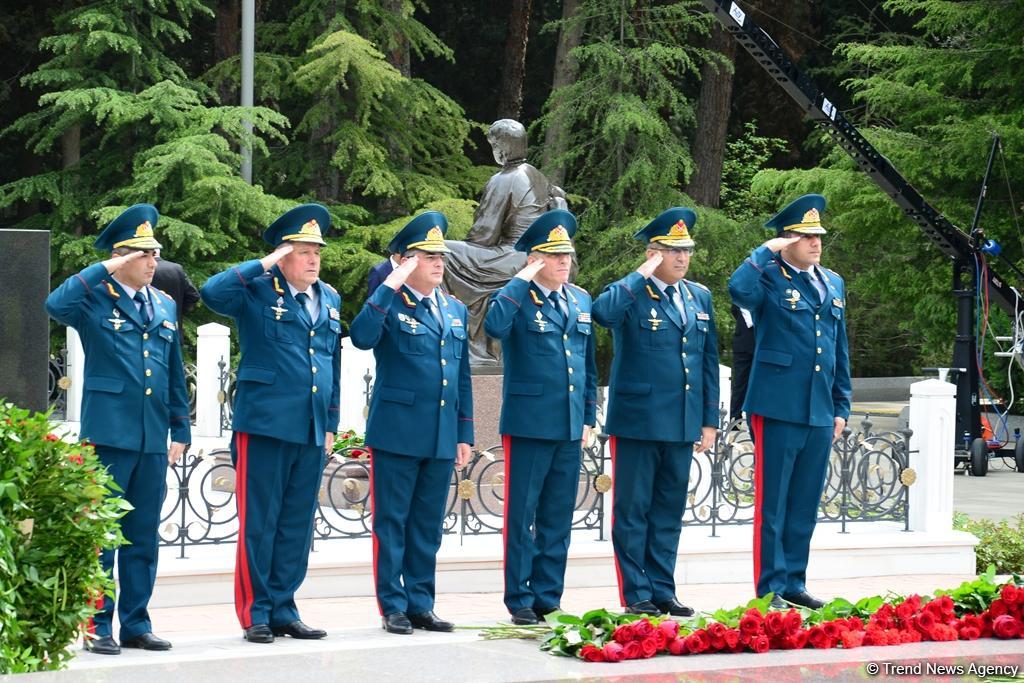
486, 408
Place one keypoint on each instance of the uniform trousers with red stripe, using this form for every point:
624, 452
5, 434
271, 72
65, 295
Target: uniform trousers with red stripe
276, 492
142, 478
541, 480
409, 496
650, 480
790, 464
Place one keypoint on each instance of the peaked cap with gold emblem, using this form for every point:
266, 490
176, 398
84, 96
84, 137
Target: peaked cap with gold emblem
424, 232
670, 229
551, 233
132, 229
305, 223
802, 215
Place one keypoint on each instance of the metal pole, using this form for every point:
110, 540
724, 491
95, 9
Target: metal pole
248, 47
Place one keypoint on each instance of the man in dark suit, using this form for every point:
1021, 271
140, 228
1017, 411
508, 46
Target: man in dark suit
798, 399
549, 404
285, 414
380, 272
663, 398
134, 395
420, 421
171, 278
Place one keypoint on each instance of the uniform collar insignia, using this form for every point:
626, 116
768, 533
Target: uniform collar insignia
408, 300
536, 299
111, 291
651, 293
277, 286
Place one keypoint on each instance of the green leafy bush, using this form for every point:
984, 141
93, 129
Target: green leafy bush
55, 513
1000, 544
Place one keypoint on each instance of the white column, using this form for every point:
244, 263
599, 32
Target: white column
933, 421
725, 389
212, 346
74, 370
355, 363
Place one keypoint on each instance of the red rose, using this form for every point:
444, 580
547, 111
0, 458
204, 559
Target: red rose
775, 623
998, 608
622, 634
817, 638
759, 643
649, 647
924, 621
659, 638
670, 628
796, 640
613, 652
697, 642
905, 612
874, 638
751, 623
945, 604
716, 636
591, 653
971, 621
943, 632
832, 629
969, 633
1010, 594
1005, 626
732, 639
852, 639
632, 650
855, 623
642, 629
793, 621
76, 458
52, 437
935, 609
677, 646
915, 601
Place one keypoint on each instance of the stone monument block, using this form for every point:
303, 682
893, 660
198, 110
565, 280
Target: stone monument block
24, 325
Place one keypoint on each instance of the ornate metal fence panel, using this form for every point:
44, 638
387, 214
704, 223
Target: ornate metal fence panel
58, 383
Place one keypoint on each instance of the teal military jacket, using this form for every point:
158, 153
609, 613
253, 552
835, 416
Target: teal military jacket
422, 403
550, 387
664, 379
287, 383
134, 388
801, 367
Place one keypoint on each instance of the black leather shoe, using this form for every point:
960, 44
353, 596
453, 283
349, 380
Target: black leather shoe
643, 607
674, 608
544, 611
146, 641
397, 622
103, 645
804, 599
259, 633
428, 621
524, 617
297, 629
778, 603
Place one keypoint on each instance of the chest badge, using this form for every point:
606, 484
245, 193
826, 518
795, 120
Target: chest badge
278, 309
654, 320
541, 322
116, 321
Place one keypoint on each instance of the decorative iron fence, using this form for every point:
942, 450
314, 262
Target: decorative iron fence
867, 480
57, 384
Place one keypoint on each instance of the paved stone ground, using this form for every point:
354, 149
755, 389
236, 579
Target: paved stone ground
209, 647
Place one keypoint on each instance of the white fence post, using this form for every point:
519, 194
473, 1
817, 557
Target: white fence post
212, 346
74, 370
933, 421
725, 390
355, 363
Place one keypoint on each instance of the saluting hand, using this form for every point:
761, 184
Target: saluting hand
648, 267
115, 263
776, 244
531, 270
273, 257
399, 275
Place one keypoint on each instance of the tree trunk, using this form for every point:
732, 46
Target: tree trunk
397, 53
514, 67
228, 42
71, 153
712, 122
565, 74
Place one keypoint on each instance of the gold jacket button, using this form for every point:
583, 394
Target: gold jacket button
565, 337
314, 389
145, 335
149, 391
570, 371
312, 333
149, 373
568, 352
444, 362
572, 388
442, 403
311, 352
313, 369
817, 368
687, 387
145, 354
817, 317
444, 383
442, 342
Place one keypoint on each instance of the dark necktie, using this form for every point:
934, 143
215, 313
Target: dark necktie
431, 309
670, 294
143, 310
810, 282
557, 305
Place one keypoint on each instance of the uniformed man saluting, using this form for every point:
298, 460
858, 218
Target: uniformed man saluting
549, 404
420, 420
663, 398
798, 398
134, 393
285, 414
